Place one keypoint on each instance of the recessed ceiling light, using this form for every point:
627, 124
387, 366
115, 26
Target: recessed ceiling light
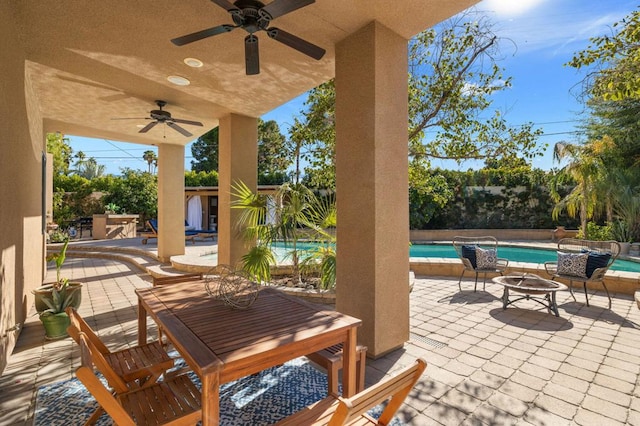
177, 80
193, 62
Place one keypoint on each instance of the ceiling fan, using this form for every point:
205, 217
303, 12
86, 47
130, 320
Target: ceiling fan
253, 16
162, 116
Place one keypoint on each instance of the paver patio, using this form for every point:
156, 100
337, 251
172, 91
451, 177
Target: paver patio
486, 365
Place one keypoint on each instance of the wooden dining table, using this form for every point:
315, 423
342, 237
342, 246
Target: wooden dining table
221, 344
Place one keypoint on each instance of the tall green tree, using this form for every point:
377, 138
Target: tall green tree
613, 61
151, 158
135, 192
587, 172
205, 152
90, 169
274, 150
59, 146
453, 73
617, 120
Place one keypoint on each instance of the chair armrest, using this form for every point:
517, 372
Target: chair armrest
467, 264
502, 263
551, 268
598, 274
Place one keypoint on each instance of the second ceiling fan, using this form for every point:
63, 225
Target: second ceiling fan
253, 16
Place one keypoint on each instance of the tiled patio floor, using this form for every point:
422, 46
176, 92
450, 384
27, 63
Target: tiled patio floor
486, 365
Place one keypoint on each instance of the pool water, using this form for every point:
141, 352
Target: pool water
514, 254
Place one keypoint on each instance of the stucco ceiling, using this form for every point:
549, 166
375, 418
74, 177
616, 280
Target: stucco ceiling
92, 61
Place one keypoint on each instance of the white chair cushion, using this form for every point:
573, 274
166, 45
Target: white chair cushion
573, 264
487, 258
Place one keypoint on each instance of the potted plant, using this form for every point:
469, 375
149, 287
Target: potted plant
111, 208
70, 288
54, 319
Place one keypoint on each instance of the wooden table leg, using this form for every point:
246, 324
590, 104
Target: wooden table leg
142, 324
211, 399
349, 364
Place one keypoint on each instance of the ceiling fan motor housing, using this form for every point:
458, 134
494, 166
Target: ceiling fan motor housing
251, 18
160, 115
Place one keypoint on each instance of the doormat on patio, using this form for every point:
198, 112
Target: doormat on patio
260, 399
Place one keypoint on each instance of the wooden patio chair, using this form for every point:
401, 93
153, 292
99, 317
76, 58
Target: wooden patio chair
134, 365
583, 261
175, 400
336, 411
130, 368
331, 360
480, 256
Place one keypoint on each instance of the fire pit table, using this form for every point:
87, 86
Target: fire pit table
532, 287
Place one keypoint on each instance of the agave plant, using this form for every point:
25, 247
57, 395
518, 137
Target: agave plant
61, 298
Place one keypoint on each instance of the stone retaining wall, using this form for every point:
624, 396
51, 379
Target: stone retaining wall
500, 234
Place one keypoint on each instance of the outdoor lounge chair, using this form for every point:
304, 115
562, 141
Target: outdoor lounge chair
201, 233
152, 224
175, 400
353, 411
584, 261
480, 256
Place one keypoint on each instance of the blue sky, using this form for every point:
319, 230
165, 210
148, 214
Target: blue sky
543, 34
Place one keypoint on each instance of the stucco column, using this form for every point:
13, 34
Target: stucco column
22, 240
170, 201
372, 185
237, 161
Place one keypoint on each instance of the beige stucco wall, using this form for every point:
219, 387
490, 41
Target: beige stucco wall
170, 212
371, 184
238, 162
22, 145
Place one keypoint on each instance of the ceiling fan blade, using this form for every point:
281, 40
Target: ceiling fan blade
199, 35
193, 123
131, 118
178, 129
228, 6
297, 43
148, 127
282, 7
251, 55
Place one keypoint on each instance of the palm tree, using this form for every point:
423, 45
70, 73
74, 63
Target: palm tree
299, 213
150, 157
90, 169
586, 169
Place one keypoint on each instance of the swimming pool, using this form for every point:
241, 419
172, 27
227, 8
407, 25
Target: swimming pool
514, 254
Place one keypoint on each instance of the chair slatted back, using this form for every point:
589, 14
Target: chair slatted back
82, 326
104, 397
575, 245
396, 389
77, 331
486, 242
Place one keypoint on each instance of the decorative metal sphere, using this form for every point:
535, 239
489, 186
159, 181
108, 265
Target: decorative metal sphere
234, 287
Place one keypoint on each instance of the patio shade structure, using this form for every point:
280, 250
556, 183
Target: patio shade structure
71, 67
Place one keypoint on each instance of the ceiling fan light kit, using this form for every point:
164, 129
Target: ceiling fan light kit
253, 16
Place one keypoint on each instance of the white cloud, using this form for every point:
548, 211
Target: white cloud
510, 7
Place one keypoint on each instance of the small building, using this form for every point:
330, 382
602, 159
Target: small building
205, 200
